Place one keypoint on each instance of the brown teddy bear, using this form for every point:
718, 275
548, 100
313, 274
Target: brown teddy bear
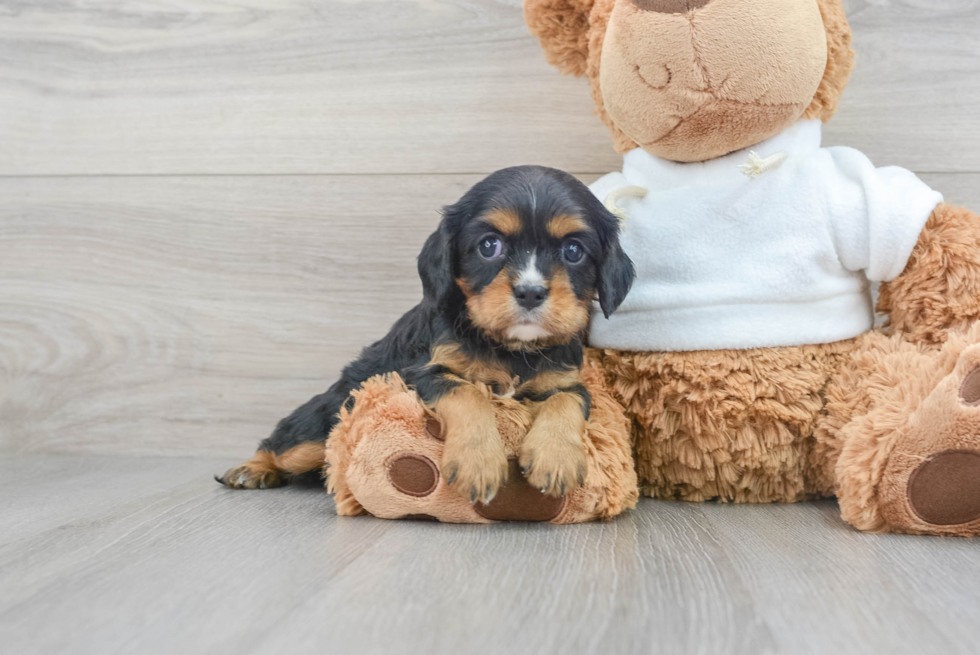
744, 354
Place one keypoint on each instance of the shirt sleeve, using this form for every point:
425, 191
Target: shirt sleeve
877, 214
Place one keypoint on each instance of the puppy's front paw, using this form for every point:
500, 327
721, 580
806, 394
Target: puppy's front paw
554, 464
475, 467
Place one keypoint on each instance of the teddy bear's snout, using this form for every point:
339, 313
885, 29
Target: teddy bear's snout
689, 80
670, 6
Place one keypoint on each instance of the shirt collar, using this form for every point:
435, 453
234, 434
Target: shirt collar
643, 169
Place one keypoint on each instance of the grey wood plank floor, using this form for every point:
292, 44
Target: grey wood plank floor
123, 554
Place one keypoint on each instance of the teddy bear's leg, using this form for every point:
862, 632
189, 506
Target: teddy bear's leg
730, 425
902, 435
878, 365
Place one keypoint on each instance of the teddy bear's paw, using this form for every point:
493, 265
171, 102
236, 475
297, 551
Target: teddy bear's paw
555, 464
931, 483
945, 488
475, 465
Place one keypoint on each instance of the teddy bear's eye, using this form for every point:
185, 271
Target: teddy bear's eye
491, 247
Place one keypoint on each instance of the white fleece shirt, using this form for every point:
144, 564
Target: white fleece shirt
784, 259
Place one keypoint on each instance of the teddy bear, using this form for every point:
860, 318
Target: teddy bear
745, 355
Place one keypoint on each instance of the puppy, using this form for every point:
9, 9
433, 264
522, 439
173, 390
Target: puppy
510, 279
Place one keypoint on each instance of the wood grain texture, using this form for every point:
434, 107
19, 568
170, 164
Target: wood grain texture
399, 86
173, 563
869, 580
181, 315
190, 314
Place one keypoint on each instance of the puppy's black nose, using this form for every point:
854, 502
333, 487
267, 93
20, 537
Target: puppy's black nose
530, 297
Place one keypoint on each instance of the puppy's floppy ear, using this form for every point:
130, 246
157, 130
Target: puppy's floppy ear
616, 273
615, 269
435, 264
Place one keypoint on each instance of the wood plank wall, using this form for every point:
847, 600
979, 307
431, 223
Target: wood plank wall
207, 208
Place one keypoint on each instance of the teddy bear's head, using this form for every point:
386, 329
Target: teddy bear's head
691, 80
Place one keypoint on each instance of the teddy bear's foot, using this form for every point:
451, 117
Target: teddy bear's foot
398, 476
386, 458
392, 469
931, 482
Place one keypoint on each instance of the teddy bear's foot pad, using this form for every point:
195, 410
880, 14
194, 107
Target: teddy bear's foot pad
931, 483
413, 475
970, 389
519, 501
945, 490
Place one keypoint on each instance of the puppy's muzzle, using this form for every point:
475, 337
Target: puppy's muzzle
530, 297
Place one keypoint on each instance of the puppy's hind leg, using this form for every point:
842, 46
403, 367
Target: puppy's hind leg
295, 451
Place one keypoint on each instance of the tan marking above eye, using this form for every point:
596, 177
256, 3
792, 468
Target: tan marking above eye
506, 221
562, 225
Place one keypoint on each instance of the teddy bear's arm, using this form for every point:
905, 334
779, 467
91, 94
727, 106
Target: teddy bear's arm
939, 290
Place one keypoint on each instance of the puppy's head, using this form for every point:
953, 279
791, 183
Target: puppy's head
530, 248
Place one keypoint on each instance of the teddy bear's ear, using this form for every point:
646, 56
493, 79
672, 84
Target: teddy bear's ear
840, 61
562, 26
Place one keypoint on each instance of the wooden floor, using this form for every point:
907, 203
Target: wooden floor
208, 206
107, 554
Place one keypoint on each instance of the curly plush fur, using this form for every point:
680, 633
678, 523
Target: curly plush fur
731, 425
939, 290
563, 28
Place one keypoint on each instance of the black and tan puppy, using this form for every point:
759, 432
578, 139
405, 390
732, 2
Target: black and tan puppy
509, 280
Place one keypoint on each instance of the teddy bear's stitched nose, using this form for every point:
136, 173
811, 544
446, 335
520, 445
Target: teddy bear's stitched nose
670, 6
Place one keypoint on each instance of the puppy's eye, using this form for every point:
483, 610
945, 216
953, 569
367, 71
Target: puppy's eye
491, 247
572, 252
